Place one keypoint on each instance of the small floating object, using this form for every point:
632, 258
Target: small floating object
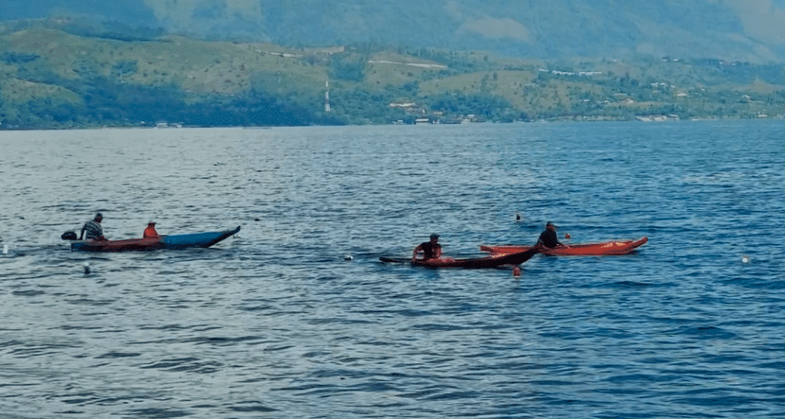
745, 259
516, 271
567, 235
347, 257
518, 217
87, 268
5, 249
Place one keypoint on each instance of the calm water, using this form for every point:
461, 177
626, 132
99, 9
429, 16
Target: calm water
276, 323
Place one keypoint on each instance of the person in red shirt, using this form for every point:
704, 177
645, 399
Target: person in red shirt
149, 232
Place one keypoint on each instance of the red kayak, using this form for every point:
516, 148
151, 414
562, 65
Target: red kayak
493, 261
621, 247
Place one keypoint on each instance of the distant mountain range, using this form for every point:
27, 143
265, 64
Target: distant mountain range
734, 30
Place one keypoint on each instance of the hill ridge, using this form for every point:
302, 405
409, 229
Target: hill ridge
734, 30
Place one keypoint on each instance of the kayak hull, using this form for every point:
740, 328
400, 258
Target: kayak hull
610, 248
177, 241
184, 241
493, 261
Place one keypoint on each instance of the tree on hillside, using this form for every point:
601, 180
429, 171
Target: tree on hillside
345, 67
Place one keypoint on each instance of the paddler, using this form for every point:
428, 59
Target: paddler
94, 229
149, 232
430, 249
548, 237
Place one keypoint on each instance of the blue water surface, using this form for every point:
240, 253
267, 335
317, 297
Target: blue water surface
296, 317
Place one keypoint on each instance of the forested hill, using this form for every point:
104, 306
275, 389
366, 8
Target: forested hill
56, 77
732, 30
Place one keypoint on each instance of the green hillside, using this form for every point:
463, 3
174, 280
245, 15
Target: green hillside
53, 79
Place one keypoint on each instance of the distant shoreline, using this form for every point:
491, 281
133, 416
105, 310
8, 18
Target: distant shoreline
251, 127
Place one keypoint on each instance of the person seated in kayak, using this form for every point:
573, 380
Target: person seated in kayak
548, 237
93, 229
430, 249
149, 232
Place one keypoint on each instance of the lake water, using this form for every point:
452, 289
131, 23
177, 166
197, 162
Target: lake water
276, 323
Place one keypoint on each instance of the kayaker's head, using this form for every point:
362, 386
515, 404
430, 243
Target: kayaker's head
434, 238
98, 218
550, 226
151, 224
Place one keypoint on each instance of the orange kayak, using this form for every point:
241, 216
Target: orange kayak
619, 247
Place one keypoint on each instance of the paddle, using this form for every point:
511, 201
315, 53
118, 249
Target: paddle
394, 260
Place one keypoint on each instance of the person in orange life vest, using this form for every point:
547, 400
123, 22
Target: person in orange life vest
149, 232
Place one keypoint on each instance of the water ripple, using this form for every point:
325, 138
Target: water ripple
277, 322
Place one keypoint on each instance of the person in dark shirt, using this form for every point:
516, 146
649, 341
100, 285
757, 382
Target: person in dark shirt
548, 237
430, 249
94, 229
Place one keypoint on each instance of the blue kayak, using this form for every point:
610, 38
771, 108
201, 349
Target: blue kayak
176, 241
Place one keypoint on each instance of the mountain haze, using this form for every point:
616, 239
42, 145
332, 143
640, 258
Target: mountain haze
734, 30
